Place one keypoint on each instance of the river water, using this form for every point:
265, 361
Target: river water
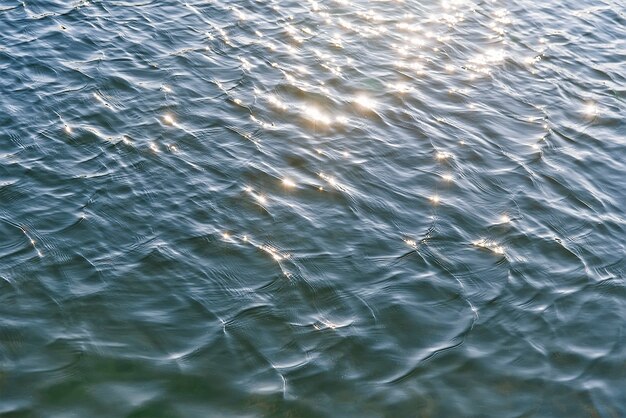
312, 209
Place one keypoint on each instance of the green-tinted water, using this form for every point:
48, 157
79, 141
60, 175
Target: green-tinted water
312, 209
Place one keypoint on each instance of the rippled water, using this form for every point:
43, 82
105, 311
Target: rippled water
312, 209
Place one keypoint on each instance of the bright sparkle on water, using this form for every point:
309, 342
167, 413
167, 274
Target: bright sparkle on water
315, 115
591, 109
289, 183
365, 102
489, 245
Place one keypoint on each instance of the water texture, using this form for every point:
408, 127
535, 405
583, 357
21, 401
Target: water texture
312, 209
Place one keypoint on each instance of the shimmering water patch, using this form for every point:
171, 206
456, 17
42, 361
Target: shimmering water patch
321, 208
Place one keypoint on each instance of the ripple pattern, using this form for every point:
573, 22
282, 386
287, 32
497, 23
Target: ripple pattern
389, 208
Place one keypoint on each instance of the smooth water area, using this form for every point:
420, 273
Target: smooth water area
342, 208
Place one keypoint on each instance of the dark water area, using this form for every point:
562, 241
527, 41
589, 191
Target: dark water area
312, 209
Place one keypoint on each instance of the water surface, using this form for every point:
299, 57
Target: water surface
312, 209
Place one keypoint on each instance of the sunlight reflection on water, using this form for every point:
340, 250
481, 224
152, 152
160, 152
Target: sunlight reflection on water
278, 208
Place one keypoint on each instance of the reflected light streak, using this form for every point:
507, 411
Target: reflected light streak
365, 102
489, 245
315, 115
289, 183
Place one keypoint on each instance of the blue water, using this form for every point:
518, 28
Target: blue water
312, 209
